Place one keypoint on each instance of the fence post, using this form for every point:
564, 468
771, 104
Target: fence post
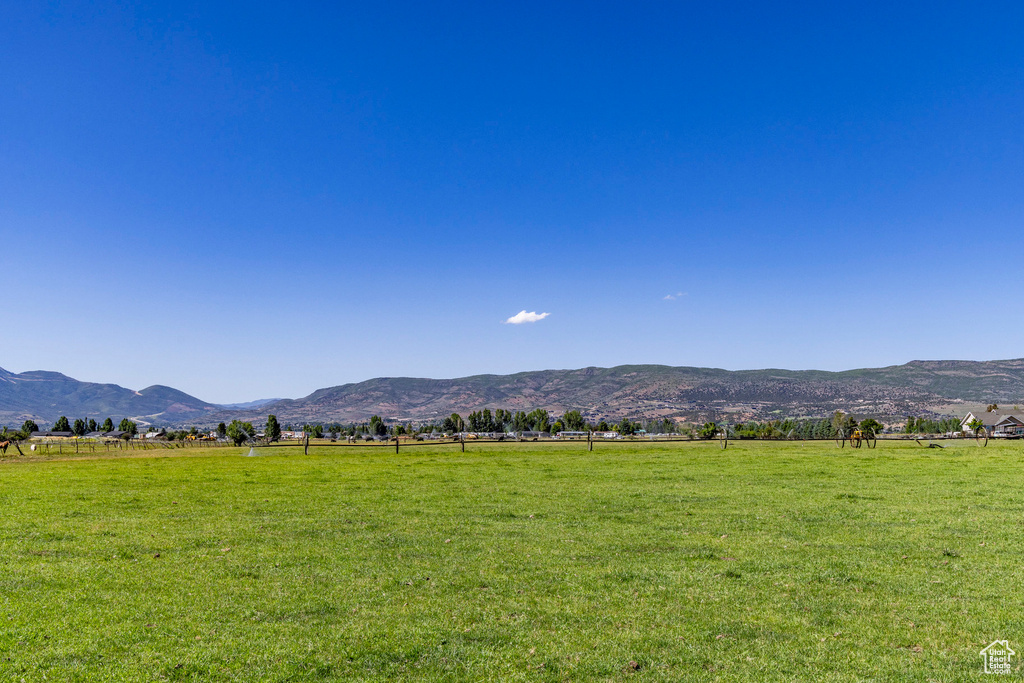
590, 442
462, 440
396, 444
305, 450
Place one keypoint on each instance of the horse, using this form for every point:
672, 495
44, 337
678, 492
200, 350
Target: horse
3, 447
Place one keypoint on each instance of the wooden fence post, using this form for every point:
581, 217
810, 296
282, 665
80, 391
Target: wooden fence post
305, 450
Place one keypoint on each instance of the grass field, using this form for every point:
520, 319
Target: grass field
768, 561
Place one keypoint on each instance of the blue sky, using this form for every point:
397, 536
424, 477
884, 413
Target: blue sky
253, 200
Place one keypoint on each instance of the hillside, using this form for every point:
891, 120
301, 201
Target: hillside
916, 388
696, 394
45, 396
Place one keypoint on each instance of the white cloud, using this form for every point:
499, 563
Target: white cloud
673, 297
524, 317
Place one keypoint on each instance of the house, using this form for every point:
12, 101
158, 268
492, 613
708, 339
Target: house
606, 435
999, 424
1011, 426
51, 435
571, 435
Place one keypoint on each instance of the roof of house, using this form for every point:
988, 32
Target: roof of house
42, 434
991, 418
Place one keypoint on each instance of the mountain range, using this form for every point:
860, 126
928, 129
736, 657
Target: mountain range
652, 391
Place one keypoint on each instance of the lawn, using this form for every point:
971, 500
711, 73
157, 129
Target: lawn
767, 561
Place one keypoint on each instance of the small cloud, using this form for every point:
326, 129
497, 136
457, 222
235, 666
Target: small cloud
673, 297
524, 317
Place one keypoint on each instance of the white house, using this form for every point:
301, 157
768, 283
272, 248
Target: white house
996, 423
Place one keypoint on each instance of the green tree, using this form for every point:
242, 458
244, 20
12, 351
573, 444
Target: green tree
128, 427
708, 431
602, 426
108, 425
838, 421
27, 427
239, 432
557, 427
539, 420
871, 426
573, 421
79, 427
626, 427
453, 424
62, 425
273, 430
222, 429
92, 425
377, 426
976, 425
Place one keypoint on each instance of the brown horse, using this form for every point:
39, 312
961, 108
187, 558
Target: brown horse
3, 447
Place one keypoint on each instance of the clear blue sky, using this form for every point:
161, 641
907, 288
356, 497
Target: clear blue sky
253, 200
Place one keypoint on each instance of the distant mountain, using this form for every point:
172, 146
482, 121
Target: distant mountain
249, 404
894, 392
45, 396
695, 394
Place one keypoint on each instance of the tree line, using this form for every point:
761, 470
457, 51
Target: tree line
500, 421
79, 427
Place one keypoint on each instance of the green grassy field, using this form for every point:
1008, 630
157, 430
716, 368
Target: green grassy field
768, 561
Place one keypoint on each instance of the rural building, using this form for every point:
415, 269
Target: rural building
571, 435
51, 435
996, 423
116, 434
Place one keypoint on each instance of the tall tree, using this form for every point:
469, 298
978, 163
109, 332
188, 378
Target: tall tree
539, 420
128, 427
453, 423
62, 425
79, 427
92, 425
573, 421
239, 432
108, 425
377, 426
27, 427
273, 430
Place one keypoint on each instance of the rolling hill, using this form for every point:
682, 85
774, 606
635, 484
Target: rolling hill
45, 396
915, 388
686, 393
